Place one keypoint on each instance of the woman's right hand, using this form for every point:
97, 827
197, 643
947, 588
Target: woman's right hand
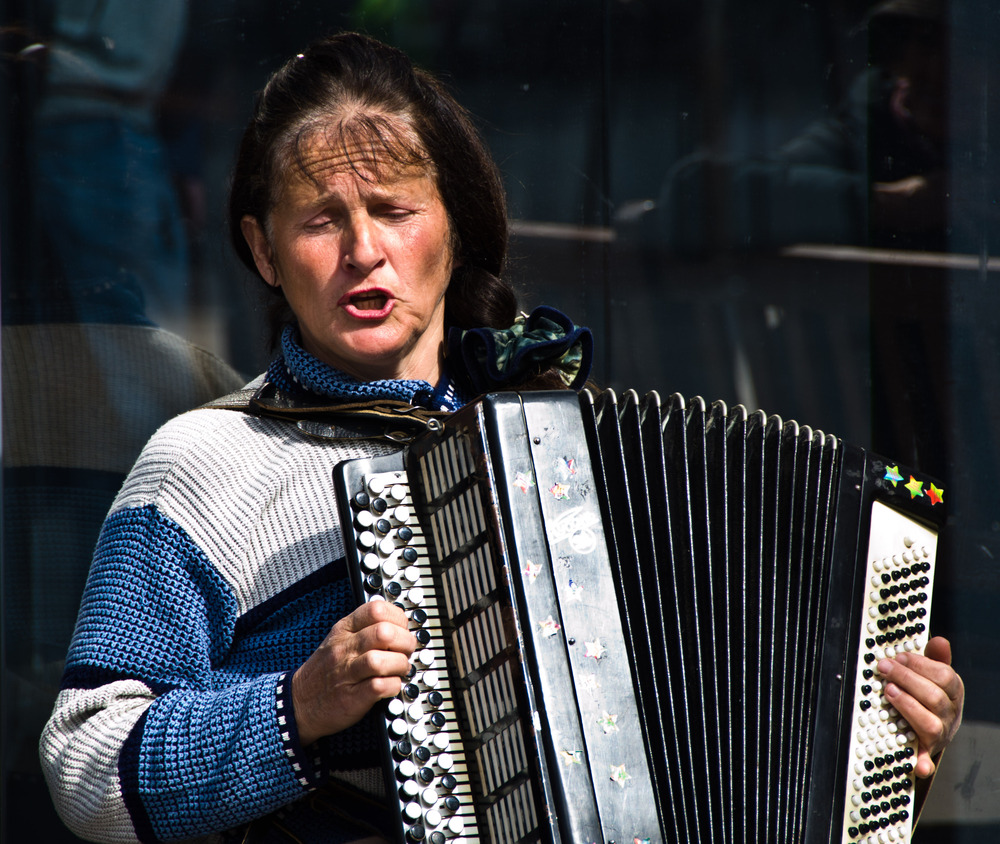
363, 659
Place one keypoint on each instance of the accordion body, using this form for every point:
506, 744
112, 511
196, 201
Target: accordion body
644, 621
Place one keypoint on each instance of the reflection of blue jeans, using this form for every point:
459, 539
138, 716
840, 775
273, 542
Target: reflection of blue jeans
110, 223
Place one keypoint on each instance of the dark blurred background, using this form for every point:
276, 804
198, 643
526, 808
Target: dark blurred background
787, 204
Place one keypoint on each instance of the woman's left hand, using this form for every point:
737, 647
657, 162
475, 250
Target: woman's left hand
928, 693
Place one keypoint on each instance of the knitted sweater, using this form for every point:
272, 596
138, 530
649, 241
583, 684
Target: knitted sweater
219, 570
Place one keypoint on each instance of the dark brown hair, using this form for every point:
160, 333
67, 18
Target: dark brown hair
355, 89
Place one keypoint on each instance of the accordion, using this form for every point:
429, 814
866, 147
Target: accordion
642, 621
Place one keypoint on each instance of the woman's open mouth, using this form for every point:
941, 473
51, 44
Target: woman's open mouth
373, 303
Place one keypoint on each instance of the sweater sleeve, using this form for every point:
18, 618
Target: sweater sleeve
147, 741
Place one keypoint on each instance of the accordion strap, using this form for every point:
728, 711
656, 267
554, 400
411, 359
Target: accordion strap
379, 419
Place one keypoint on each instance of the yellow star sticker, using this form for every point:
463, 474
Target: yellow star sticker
915, 487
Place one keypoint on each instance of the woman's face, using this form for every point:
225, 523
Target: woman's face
364, 263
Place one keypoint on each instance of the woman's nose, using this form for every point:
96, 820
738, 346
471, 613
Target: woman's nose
363, 251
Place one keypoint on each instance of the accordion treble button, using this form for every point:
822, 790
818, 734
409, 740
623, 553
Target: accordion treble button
398, 727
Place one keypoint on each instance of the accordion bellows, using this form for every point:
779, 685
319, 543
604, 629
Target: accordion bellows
644, 621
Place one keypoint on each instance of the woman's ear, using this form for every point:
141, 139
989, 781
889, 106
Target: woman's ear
256, 238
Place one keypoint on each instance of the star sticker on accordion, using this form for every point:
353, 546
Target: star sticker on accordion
559, 491
892, 474
532, 570
595, 649
620, 775
935, 495
915, 488
609, 723
549, 627
572, 757
523, 482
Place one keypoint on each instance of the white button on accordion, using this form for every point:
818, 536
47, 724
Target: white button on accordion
642, 622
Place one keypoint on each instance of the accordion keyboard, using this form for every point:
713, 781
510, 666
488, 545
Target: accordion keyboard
879, 799
431, 768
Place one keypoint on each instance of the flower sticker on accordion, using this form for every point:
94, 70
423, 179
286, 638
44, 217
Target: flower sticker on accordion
577, 526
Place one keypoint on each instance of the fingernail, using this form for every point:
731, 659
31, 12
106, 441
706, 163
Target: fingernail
884, 666
903, 658
891, 690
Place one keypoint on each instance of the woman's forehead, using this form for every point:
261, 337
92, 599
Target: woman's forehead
373, 146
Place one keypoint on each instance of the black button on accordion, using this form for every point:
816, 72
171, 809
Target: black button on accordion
642, 622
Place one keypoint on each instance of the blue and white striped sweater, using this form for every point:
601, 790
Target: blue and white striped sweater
219, 570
